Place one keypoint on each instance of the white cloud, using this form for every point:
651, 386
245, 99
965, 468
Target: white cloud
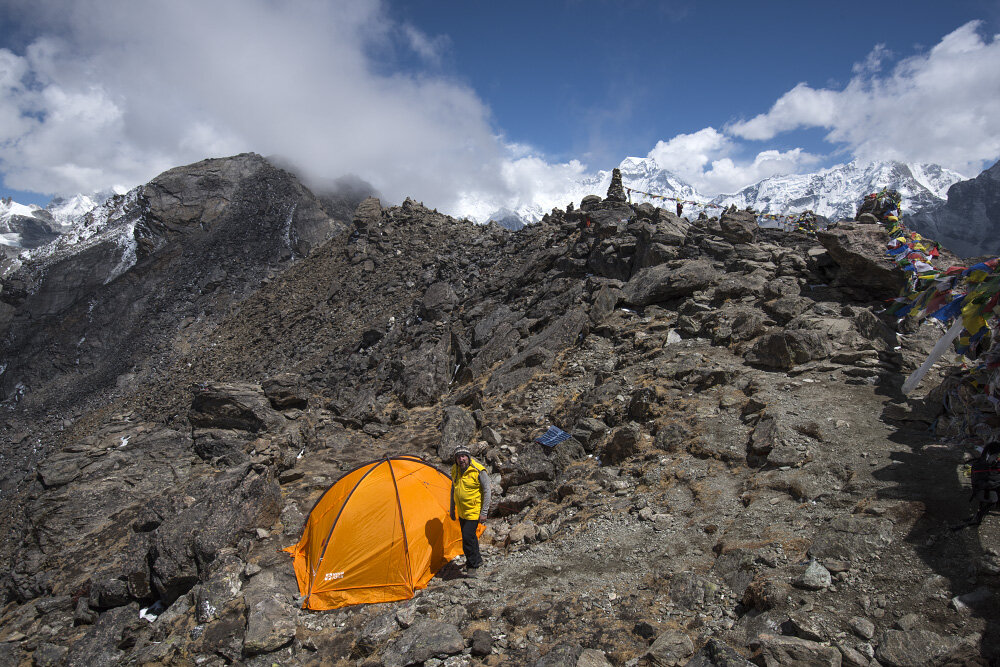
114, 92
687, 154
873, 62
705, 159
935, 107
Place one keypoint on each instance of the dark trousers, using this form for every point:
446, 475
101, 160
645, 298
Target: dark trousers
470, 542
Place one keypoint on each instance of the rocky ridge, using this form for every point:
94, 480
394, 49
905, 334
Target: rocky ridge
744, 481
969, 220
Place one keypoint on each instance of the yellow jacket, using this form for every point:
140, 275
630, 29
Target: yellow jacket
469, 489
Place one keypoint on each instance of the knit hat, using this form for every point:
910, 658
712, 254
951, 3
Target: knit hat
462, 450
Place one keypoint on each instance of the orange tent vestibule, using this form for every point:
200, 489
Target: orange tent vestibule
378, 534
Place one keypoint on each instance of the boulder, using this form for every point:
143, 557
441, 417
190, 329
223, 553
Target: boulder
427, 371
590, 657
785, 349
457, 429
624, 444
859, 251
669, 281
438, 302
604, 304
916, 648
852, 537
285, 391
239, 406
422, 641
739, 226
270, 625
232, 504
561, 655
775, 651
815, 578
717, 654
482, 643
669, 649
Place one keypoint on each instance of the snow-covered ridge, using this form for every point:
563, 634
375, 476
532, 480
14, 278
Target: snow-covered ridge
110, 220
833, 192
20, 224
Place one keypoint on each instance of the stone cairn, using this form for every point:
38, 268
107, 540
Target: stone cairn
616, 192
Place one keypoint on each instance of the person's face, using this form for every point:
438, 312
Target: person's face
462, 460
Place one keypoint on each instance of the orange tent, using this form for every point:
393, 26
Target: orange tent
378, 534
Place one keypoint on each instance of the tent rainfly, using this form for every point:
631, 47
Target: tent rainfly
378, 534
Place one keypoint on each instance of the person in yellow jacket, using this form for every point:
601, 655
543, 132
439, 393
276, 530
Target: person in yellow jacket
470, 497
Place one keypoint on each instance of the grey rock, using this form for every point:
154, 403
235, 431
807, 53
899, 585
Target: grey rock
589, 432
669, 281
492, 436
851, 657
852, 537
857, 250
287, 390
270, 625
786, 349
778, 650
457, 429
238, 406
624, 443
716, 653
815, 578
739, 226
604, 304
83, 614
423, 640
427, 371
915, 648
49, 655
237, 500
99, 646
561, 655
592, 658
377, 631
862, 627
438, 302
482, 643
669, 649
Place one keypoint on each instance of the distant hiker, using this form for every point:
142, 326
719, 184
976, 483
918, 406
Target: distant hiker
680, 208
986, 480
470, 494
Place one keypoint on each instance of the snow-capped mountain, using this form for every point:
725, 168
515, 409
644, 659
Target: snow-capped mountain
31, 226
835, 192
641, 174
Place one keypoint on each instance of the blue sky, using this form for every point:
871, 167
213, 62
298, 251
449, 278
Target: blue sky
609, 79
473, 105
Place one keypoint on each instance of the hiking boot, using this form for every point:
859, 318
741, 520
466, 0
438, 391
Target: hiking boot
472, 572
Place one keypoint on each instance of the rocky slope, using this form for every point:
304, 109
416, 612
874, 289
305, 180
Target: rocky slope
969, 221
745, 480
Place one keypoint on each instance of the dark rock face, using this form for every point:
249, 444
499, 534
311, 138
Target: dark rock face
968, 223
174, 238
730, 394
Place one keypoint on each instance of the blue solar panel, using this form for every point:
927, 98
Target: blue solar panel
553, 437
